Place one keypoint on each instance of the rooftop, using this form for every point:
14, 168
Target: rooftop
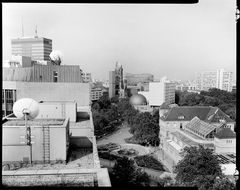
198, 126
80, 159
36, 122
225, 133
204, 113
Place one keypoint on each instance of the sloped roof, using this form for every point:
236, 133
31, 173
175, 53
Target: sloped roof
204, 113
198, 126
225, 133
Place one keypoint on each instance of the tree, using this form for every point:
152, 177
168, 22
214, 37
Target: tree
125, 173
114, 99
199, 167
223, 184
104, 102
145, 129
96, 106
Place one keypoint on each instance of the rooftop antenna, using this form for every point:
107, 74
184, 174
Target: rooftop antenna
22, 28
36, 32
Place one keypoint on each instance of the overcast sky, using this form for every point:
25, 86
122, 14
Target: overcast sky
173, 40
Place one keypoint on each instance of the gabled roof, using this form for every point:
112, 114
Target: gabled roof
200, 127
204, 113
225, 133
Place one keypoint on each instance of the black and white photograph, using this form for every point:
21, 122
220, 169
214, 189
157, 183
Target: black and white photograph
120, 94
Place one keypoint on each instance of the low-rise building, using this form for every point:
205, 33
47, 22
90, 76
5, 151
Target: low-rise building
193, 126
96, 93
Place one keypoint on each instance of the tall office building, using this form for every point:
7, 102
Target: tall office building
220, 79
38, 48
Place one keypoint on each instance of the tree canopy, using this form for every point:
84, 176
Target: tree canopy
125, 173
226, 101
199, 167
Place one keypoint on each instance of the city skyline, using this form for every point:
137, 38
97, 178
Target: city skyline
191, 38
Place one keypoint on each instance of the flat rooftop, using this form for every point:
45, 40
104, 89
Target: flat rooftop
81, 123
79, 159
36, 122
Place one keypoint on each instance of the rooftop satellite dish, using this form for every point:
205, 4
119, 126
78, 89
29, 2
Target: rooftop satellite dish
56, 57
26, 107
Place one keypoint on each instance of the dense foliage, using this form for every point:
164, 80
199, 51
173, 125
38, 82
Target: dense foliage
145, 129
125, 173
105, 116
108, 114
149, 162
226, 101
199, 167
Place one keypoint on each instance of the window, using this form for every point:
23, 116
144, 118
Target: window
55, 76
40, 77
181, 117
180, 125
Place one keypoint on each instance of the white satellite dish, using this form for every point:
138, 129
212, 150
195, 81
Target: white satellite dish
26, 106
56, 57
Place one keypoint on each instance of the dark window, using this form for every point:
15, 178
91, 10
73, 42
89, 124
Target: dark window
40, 77
180, 125
55, 76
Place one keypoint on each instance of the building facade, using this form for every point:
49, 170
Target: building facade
117, 84
160, 92
96, 93
50, 140
18, 61
134, 79
44, 73
37, 48
44, 91
87, 77
220, 79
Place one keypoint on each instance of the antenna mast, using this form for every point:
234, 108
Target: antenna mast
36, 32
22, 28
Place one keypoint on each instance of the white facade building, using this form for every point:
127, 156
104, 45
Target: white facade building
220, 79
160, 92
96, 93
86, 77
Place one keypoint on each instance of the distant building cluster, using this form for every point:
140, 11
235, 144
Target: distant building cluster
135, 79
220, 79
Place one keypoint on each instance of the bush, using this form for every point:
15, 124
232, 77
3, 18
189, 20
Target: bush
108, 156
108, 147
128, 152
148, 162
132, 140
